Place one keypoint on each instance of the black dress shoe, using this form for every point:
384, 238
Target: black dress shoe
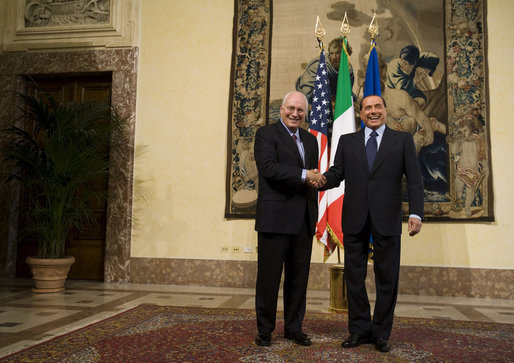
382, 345
299, 338
354, 340
263, 339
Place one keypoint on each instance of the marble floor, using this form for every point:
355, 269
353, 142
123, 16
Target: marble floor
27, 318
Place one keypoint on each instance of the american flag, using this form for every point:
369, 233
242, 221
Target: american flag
320, 118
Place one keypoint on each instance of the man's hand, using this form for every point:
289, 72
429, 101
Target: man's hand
414, 226
315, 179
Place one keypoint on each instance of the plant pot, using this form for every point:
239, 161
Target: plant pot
49, 274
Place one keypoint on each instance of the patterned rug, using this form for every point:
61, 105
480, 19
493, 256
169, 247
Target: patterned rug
151, 333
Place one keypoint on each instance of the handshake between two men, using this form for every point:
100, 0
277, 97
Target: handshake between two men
315, 179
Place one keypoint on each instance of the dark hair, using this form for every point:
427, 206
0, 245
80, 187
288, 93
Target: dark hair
410, 53
382, 98
338, 42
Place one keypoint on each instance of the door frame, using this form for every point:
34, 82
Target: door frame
123, 65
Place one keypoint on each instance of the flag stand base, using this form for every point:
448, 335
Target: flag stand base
338, 298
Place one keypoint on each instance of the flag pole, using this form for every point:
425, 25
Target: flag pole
319, 118
373, 29
345, 26
319, 33
321, 115
344, 123
345, 29
372, 85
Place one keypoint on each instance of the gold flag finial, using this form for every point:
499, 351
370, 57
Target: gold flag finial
345, 26
319, 32
373, 27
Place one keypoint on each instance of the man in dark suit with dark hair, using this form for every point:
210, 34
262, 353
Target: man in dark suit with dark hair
372, 163
287, 210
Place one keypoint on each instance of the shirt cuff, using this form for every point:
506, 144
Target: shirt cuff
304, 175
415, 216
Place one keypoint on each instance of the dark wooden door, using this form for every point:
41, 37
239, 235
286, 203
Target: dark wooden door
88, 244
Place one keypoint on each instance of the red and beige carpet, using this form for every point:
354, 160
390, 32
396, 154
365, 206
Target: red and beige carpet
152, 333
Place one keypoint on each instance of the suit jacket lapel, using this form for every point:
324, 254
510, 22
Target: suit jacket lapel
289, 142
360, 149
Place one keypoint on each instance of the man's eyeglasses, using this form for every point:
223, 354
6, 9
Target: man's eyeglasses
291, 109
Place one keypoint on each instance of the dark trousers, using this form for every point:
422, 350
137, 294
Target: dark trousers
275, 251
386, 265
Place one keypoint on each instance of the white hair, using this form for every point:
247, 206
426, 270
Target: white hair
289, 93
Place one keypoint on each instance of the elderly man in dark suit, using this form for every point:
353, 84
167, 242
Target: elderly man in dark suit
372, 162
287, 209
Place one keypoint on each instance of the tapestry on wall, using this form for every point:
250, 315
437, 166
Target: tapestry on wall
434, 79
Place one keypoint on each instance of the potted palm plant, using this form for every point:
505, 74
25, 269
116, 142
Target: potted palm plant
57, 162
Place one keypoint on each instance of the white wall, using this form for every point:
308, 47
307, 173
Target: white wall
182, 117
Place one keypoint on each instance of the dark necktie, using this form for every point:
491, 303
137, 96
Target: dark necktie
300, 150
371, 148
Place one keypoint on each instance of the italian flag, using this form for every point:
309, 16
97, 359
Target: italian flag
344, 123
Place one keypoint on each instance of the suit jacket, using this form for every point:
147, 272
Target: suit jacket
377, 191
282, 198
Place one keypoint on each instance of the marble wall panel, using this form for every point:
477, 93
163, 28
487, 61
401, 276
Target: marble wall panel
122, 63
414, 280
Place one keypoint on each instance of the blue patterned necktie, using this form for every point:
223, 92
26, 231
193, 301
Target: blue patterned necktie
371, 148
